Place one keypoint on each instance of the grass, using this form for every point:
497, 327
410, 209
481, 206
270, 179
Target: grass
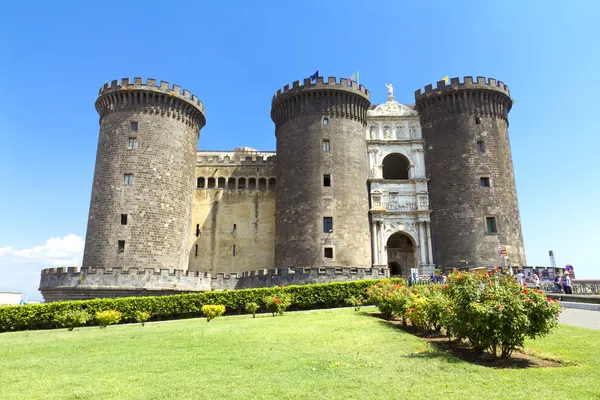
333, 354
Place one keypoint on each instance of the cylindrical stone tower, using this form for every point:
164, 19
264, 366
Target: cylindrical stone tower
469, 163
144, 178
322, 208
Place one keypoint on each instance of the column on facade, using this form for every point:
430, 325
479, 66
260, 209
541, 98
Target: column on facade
374, 241
429, 247
382, 255
422, 242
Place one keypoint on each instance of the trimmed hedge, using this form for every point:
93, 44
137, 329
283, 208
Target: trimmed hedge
303, 297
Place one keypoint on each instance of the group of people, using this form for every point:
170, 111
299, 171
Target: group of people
440, 278
561, 284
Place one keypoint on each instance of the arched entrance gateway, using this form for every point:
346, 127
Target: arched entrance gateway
401, 255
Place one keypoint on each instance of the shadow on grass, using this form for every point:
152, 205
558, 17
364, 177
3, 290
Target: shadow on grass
455, 351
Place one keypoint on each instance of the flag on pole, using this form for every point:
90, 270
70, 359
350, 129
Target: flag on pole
445, 79
314, 76
354, 77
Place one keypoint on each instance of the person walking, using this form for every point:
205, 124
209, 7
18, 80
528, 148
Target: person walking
566, 283
536, 281
520, 277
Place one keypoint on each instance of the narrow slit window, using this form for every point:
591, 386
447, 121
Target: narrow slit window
325, 121
128, 179
233, 250
327, 224
132, 143
121, 246
197, 230
491, 225
196, 251
327, 180
123, 219
481, 146
328, 252
326, 146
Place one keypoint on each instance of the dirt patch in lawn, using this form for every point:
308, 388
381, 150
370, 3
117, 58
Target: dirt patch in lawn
462, 351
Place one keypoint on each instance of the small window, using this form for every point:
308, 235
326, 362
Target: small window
233, 250
326, 146
327, 224
197, 230
200, 183
477, 120
484, 181
123, 219
211, 183
272, 183
252, 183
121, 246
327, 180
128, 179
481, 146
196, 251
328, 252
234, 227
242, 183
221, 183
325, 121
134, 126
491, 225
132, 143
262, 184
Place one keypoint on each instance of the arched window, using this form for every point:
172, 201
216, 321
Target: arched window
272, 183
231, 183
262, 184
252, 183
211, 183
200, 183
242, 183
395, 166
222, 183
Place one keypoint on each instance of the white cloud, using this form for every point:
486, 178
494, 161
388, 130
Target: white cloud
20, 268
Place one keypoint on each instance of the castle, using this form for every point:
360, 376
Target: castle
354, 191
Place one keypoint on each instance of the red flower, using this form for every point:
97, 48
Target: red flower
445, 286
548, 299
524, 291
529, 300
460, 277
283, 284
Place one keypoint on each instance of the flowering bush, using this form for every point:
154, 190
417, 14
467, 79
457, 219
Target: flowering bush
278, 302
496, 314
72, 319
108, 317
384, 296
355, 302
212, 311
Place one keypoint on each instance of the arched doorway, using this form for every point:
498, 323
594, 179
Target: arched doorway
395, 166
401, 255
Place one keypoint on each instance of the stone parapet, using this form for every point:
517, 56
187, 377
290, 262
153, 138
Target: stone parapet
74, 283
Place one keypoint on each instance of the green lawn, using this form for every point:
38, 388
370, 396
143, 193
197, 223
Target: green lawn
321, 354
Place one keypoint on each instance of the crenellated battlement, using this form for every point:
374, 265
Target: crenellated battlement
467, 83
320, 84
125, 94
330, 99
90, 282
481, 97
259, 158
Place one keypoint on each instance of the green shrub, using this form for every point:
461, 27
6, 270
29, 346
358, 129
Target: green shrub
382, 294
212, 311
141, 316
303, 297
252, 307
278, 302
108, 317
355, 302
496, 314
72, 319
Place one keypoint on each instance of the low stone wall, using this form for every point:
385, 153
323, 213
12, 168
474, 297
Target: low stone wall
88, 283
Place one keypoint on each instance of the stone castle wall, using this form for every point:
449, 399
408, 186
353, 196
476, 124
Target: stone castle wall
165, 124
233, 216
454, 118
306, 115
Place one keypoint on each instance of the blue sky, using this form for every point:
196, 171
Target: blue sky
235, 55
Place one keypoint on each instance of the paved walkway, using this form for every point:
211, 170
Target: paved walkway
582, 318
